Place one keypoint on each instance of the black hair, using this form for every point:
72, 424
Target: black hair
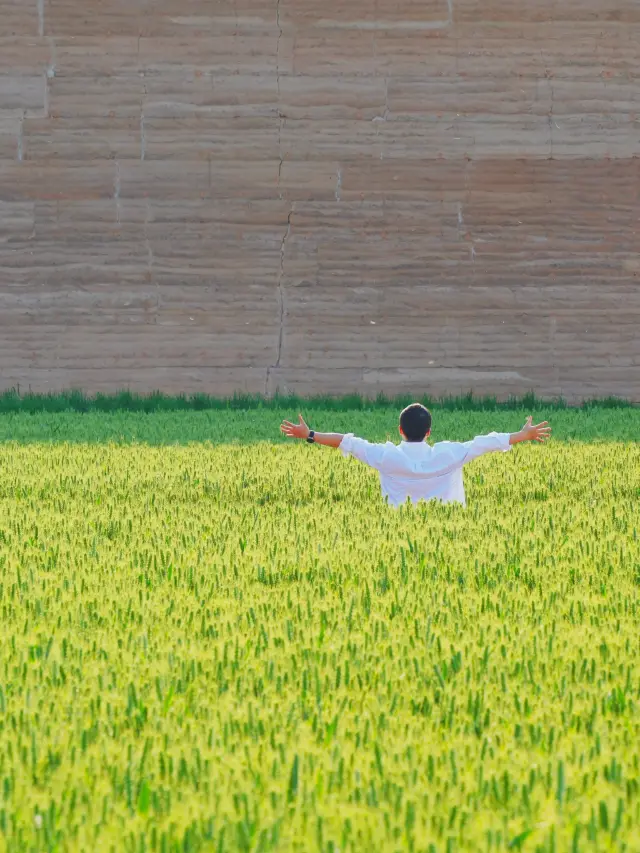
415, 422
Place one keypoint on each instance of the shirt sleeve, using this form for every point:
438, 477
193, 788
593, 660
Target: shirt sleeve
359, 448
481, 444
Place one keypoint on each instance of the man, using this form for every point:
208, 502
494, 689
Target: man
413, 469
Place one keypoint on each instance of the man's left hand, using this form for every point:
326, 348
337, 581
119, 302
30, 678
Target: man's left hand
299, 430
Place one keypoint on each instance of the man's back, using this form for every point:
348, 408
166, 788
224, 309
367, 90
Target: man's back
417, 471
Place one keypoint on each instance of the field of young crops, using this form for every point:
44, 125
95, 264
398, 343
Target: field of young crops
215, 640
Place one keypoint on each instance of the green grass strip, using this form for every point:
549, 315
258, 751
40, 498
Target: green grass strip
13, 401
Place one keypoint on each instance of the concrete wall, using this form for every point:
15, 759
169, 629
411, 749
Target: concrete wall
425, 195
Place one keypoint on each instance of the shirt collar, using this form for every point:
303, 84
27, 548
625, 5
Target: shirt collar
414, 448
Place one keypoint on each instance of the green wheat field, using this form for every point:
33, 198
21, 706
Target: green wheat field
215, 640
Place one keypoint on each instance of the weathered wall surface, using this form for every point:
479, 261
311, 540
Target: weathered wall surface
425, 195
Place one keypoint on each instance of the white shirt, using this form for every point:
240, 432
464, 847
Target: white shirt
418, 471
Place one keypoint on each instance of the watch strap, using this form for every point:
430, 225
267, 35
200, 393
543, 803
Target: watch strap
311, 437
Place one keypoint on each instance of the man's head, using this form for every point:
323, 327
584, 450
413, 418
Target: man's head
415, 422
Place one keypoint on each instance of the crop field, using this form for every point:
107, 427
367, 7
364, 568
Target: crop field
217, 640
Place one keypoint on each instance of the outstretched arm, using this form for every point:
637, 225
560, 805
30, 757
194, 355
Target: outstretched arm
349, 445
301, 430
502, 441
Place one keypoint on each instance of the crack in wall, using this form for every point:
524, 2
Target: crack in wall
281, 302
279, 25
116, 191
551, 123
281, 163
283, 247
463, 229
49, 74
280, 287
20, 151
281, 117
143, 137
385, 115
150, 258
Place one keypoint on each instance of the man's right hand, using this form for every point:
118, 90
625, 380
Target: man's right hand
532, 432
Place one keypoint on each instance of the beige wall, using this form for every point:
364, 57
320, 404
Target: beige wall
426, 195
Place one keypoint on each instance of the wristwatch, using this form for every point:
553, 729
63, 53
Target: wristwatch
311, 437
